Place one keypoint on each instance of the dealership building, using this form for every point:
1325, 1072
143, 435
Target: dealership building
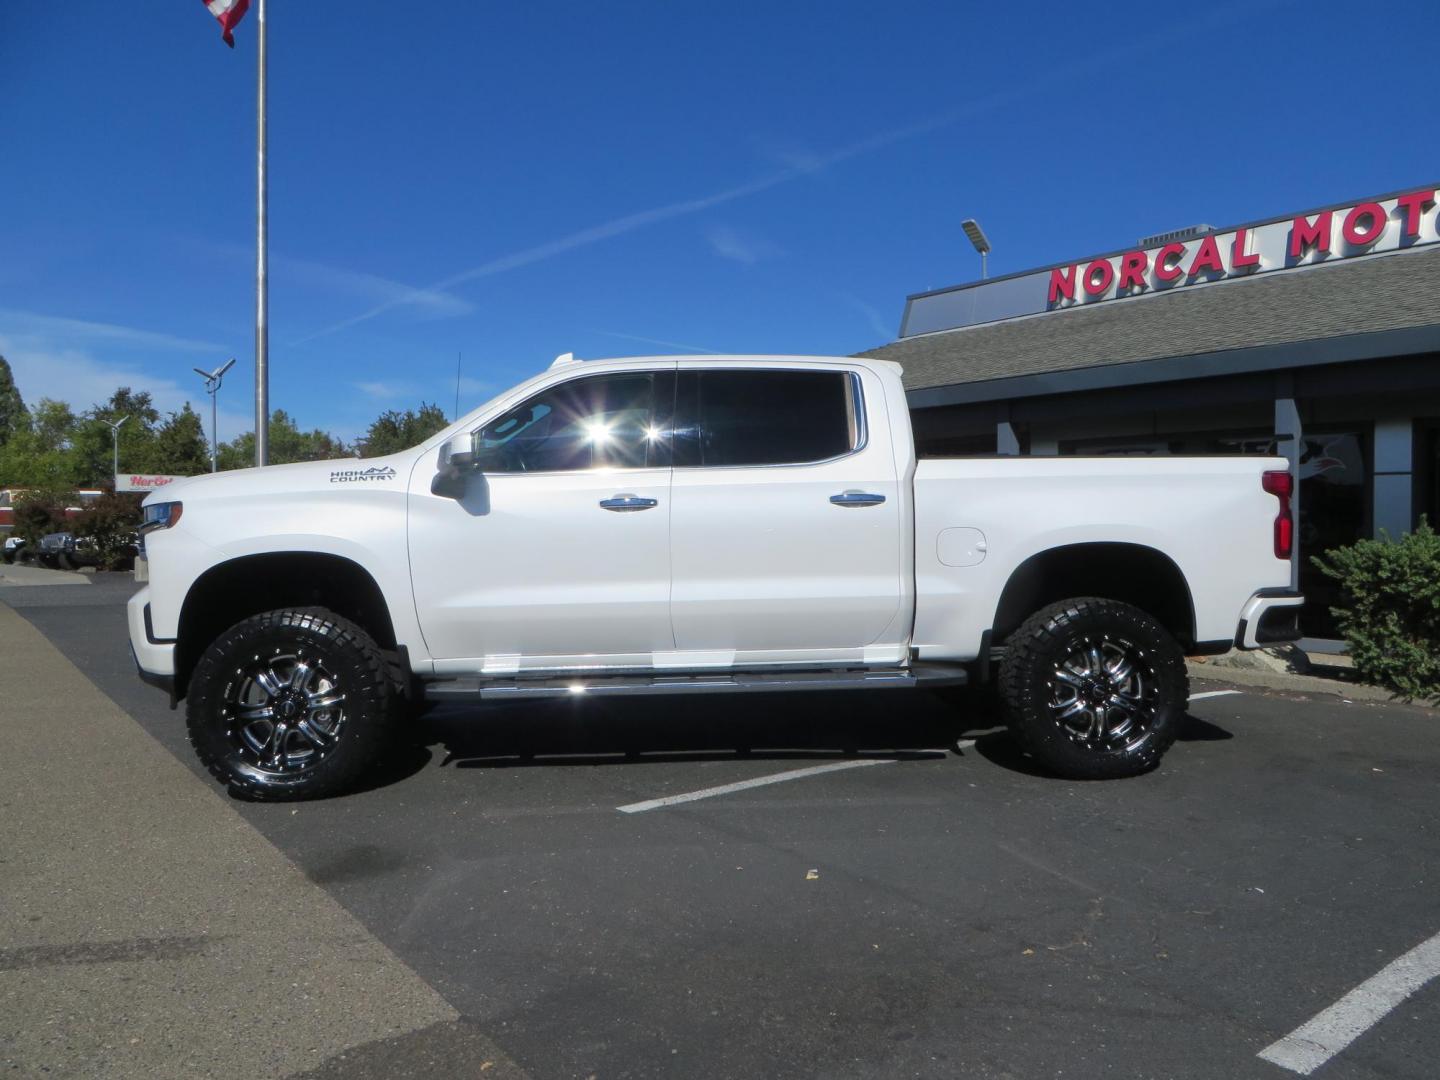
1314, 335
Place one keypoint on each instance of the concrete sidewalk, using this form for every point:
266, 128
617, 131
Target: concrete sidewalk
15, 574
146, 930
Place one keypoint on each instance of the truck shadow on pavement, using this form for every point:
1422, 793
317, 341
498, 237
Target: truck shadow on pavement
1000, 749
771, 727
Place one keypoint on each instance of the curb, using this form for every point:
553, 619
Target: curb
1302, 684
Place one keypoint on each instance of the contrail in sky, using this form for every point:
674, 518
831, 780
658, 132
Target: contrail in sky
1058, 76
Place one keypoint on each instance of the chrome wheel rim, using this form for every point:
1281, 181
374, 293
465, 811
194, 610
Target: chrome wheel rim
284, 713
1103, 693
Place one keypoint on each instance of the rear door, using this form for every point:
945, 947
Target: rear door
784, 519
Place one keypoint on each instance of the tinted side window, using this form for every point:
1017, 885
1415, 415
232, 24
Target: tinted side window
764, 417
602, 421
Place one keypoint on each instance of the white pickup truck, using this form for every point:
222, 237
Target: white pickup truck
682, 525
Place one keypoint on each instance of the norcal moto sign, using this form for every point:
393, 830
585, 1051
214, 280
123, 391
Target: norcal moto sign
1340, 233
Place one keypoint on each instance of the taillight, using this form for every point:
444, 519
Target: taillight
1282, 485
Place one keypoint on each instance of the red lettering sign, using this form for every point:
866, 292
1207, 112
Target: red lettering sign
1062, 284
1415, 204
1240, 259
1207, 258
1167, 262
1132, 270
1354, 235
1097, 286
1305, 234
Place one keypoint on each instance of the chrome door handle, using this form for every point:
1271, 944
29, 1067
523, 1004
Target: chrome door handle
624, 504
857, 498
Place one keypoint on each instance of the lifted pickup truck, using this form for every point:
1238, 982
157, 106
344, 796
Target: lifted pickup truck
689, 525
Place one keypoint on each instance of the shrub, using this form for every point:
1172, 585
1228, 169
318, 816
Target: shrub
38, 512
1390, 590
112, 522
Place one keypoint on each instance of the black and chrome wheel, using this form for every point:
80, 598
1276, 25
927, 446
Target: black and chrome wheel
290, 705
1095, 689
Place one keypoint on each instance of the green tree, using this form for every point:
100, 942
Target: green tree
94, 445
287, 444
30, 460
179, 447
395, 431
53, 424
12, 407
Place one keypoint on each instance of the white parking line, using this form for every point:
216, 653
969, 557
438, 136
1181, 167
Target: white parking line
759, 781
1215, 693
1312, 1044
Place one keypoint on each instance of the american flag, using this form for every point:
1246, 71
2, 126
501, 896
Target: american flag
229, 12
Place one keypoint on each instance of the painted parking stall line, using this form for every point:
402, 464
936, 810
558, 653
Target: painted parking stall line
1215, 693
745, 785
1314, 1043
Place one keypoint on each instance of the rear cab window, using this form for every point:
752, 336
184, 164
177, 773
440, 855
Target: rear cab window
753, 417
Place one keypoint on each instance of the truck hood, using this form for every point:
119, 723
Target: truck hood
382, 472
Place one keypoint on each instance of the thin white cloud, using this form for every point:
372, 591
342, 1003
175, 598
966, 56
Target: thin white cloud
426, 303
475, 386
75, 377
81, 330
801, 163
872, 316
739, 245
658, 341
383, 391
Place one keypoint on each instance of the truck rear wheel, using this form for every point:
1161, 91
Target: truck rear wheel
291, 704
1094, 689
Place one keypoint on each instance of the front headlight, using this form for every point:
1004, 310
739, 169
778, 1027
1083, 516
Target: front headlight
160, 516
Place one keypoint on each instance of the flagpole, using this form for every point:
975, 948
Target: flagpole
262, 283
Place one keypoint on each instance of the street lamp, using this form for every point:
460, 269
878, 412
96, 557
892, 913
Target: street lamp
115, 444
978, 238
212, 387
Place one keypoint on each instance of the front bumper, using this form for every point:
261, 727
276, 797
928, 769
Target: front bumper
1270, 618
155, 657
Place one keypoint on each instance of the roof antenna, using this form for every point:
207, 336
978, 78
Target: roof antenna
456, 416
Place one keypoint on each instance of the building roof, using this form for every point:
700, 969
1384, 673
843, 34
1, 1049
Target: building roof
1244, 320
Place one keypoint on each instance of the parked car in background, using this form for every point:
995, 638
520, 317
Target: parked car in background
66, 551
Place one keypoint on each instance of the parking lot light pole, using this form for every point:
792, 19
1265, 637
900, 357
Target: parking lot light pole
980, 240
212, 387
115, 445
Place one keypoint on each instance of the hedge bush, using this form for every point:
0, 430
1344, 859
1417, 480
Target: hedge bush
38, 512
112, 522
1391, 614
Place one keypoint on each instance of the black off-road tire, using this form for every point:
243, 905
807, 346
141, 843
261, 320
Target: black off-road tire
1038, 676
228, 686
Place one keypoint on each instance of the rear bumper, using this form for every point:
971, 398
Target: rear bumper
1270, 618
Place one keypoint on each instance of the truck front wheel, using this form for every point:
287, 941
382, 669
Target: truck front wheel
1094, 689
291, 704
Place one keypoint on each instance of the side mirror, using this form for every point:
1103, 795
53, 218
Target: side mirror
458, 453
457, 461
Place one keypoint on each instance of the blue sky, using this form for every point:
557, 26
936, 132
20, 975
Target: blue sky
510, 182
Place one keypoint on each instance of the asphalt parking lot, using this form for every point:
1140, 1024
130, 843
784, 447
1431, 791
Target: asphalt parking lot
929, 907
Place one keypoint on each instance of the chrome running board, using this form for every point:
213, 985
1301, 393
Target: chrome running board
472, 688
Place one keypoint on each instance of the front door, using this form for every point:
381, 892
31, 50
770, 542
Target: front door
558, 553
784, 520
